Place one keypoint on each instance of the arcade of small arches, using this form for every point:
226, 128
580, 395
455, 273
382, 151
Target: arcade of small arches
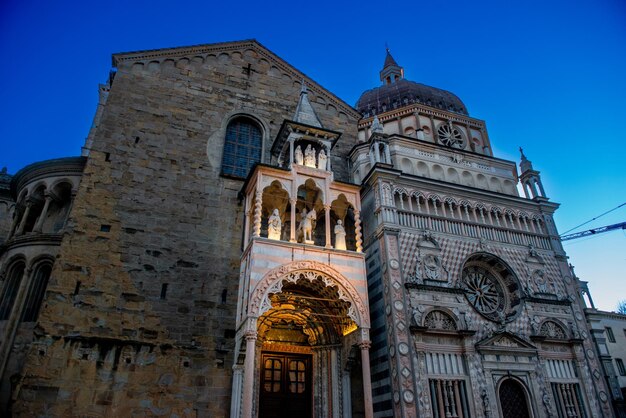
433, 204
307, 217
20, 272
435, 171
43, 207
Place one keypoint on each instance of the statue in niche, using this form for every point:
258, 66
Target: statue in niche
322, 160
274, 225
299, 157
431, 267
309, 156
307, 224
541, 282
340, 235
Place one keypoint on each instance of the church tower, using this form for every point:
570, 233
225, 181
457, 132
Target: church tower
475, 312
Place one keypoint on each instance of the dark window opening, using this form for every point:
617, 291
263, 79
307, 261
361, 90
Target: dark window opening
11, 286
163, 290
242, 147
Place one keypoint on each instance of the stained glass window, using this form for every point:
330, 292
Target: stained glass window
242, 147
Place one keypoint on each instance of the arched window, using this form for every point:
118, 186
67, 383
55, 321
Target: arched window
9, 291
36, 293
242, 147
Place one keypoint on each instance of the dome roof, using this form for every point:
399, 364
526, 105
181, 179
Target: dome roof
397, 92
403, 92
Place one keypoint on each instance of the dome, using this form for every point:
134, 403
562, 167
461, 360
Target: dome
403, 92
398, 92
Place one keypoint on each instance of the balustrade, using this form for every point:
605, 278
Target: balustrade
462, 227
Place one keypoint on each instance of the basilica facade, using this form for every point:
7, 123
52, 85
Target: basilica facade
236, 240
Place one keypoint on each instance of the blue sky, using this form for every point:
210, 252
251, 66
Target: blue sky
545, 75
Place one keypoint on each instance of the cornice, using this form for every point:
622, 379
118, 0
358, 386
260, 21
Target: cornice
119, 58
48, 168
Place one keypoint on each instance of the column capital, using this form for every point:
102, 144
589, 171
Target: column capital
365, 345
250, 335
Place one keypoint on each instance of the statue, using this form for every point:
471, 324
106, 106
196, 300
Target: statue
309, 156
274, 225
340, 235
307, 224
322, 160
298, 156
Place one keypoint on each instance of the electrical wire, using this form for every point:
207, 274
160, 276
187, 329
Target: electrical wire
591, 220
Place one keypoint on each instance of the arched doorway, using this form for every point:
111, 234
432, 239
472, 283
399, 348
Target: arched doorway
512, 397
303, 321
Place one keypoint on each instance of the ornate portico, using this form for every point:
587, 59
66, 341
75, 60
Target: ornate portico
302, 318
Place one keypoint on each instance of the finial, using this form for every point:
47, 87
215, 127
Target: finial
304, 89
377, 127
521, 150
386, 46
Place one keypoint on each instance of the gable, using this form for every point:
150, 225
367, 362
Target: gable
269, 62
504, 341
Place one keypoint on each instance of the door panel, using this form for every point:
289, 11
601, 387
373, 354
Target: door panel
285, 386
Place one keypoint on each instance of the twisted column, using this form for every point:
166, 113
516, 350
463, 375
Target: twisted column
357, 231
257, 215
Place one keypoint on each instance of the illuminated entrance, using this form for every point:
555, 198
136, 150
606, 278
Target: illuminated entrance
285, 386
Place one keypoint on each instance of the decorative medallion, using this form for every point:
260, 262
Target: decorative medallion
408, 396
394, 264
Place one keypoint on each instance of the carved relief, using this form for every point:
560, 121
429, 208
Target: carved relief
309, 270
551, 329
439, 320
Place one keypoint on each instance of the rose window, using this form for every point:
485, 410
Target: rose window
491, 288
483, 290
450, 136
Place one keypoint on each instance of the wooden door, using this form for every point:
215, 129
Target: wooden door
285, 386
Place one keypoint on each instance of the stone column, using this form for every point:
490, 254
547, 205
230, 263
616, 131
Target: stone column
20, 229
44, 212
248, 374
14, 224
346, 387
235, 396
543, 192
334, 377
357, 231
367, 379
533, 188
387, 153
376, 152
258, 202
14, 319
327, 220
371, 156
328, 167
292, 232
291, 141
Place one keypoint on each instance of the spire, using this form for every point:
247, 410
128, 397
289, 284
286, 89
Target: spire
389, 61
304, 111
391, 71
525, 165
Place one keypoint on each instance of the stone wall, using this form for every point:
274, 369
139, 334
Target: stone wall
139, 316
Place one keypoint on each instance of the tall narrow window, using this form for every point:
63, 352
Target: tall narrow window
620, 366
609, 334
36, 293
242, 147
10, 288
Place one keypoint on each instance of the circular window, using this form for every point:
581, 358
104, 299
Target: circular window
450, 136
491, 288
